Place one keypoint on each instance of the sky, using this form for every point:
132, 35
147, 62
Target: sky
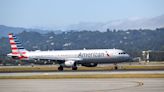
48, 13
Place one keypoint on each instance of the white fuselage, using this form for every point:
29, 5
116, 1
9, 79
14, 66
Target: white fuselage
81, 56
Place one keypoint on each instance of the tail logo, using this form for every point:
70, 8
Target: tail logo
16, 47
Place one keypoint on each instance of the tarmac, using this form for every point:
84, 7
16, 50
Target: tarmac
84, 72
83, 85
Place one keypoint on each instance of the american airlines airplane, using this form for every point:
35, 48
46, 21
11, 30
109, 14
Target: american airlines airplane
68, 58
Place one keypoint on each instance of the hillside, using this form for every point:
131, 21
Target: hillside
132, 41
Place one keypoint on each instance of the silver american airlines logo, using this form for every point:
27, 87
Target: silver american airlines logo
89, 55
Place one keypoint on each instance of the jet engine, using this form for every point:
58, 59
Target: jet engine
69, 63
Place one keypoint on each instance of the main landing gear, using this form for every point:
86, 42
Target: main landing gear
60, 68
74, 68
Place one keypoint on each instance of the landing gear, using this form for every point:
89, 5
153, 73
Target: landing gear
74, 68
60, 68
115, 66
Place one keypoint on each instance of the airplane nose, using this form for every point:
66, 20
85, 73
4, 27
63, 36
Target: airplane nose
128, 57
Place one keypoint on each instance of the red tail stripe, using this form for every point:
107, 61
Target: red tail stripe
11, 38
12, 43
10, 34
14, 48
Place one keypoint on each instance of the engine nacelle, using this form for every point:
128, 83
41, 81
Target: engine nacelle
69, 63
89, 64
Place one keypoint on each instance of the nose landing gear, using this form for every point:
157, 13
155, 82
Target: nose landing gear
115, 66
60, 68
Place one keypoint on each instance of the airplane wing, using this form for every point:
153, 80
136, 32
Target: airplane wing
58, 59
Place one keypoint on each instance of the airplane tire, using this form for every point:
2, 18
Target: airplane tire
60, 68
115, 67
74, 68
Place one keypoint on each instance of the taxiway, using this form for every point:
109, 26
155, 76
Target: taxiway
83, 85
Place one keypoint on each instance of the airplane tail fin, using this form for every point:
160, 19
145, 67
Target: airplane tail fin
16, 47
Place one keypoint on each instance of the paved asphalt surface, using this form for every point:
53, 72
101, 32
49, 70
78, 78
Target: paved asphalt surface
83, 85
83, 72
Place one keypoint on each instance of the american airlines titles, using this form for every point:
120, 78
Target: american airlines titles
89, 55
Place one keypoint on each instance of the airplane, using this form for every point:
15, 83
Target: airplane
68, 58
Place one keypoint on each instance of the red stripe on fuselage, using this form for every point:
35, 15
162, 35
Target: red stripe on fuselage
23, 57
18, 52
15, 53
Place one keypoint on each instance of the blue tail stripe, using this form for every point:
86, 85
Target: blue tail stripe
20, 48
19, 45
14, 37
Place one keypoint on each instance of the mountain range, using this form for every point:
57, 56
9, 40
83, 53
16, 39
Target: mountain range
4, 30
122, 24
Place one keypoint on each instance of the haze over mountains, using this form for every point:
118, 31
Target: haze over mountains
4, 30
122, 24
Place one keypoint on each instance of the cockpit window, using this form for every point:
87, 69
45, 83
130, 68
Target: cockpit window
122, 53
